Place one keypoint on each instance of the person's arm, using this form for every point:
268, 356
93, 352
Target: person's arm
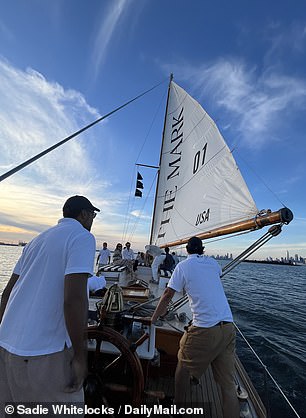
163, 303
75, 311
6, 293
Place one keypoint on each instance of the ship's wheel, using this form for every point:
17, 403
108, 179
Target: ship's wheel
113, 379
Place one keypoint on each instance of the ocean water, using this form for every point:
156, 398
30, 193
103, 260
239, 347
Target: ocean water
8, 257
268, 303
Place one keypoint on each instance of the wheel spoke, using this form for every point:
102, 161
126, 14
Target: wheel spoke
118, 377
112, 364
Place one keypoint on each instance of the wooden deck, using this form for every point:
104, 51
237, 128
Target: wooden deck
206, 395
161, 378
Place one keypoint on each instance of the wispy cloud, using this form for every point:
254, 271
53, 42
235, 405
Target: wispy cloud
139, 214
109, 24
284, 42
5, 31
34, 114
255, 102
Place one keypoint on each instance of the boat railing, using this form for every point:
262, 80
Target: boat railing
267, 373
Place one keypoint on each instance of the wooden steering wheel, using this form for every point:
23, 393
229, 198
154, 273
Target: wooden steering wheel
113, 378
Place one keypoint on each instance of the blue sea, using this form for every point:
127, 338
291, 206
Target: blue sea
268, 303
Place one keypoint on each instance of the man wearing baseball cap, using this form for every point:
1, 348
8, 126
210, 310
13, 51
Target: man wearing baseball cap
43, 312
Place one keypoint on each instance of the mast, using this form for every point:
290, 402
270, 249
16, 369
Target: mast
283, 216
160, 157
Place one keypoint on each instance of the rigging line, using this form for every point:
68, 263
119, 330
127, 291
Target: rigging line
249, 251
152, 123
266, 370
230, 236
172, 326
260, 178
128, 209
127, 218
129, 215
141, 211
53, 147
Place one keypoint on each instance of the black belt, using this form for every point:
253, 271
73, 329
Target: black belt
219, 323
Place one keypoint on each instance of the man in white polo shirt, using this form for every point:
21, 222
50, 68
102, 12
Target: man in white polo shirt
128, 254
104, 256
44, 311
211, 337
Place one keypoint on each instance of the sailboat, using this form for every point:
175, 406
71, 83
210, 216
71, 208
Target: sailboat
200, 192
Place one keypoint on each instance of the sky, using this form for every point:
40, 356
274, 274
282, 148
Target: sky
65, 63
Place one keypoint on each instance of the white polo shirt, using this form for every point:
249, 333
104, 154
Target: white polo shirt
33, 322
200, 277
104, 256
128, 254
95, 283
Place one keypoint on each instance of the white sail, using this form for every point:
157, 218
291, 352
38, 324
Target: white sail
200, 187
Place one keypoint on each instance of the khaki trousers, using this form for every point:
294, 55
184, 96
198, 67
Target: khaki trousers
200, 347
37, 379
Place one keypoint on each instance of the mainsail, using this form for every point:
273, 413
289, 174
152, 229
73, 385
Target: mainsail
200, 187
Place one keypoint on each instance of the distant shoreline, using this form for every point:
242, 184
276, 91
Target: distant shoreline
278, 262
21, 244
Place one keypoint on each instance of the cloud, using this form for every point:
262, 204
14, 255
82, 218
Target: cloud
34, 114
139, 214
5, 31
105, 32
255, 103
285, 42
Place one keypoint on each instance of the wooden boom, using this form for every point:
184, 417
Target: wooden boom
283, 215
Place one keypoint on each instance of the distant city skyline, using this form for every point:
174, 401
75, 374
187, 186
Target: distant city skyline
287, 257
216, 255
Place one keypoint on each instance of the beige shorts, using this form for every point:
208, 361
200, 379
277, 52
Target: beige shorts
200, 347
36, 379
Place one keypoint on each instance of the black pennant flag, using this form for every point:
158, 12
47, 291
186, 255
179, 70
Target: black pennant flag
139, 185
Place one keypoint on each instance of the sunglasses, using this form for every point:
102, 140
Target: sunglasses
93, 213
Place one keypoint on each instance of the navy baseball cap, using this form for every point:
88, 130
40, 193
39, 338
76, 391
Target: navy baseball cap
75, 204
